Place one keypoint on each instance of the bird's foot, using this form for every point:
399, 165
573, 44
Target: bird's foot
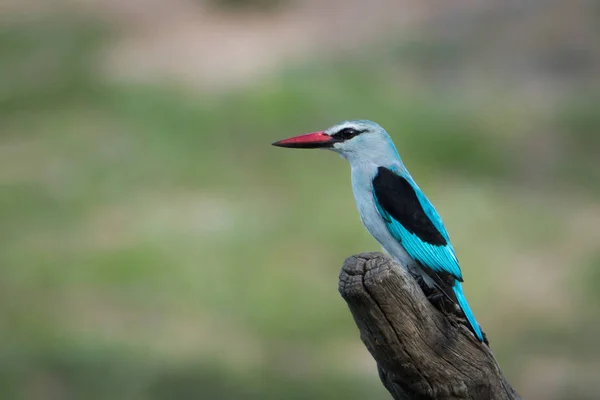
441, 302
419, 279
427, 290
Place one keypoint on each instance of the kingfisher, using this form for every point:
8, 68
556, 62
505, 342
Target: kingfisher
393, 208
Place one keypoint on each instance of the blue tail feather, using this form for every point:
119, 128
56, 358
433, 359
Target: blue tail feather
462, 302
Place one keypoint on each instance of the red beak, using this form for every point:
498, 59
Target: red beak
315, 140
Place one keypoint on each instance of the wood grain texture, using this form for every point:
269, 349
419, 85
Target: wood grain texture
421, 353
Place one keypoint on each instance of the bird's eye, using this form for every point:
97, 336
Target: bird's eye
346, 134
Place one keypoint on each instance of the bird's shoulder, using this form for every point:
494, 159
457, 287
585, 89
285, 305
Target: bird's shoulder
400, 197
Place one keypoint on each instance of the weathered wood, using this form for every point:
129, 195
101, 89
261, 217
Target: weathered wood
421, 353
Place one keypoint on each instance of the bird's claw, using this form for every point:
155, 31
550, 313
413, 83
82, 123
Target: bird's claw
440, 301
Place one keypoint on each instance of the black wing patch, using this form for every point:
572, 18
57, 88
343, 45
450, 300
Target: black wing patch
398, 198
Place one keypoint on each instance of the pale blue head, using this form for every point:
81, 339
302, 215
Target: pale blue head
358, 141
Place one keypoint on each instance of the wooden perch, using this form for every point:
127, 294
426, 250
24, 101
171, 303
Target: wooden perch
421, 353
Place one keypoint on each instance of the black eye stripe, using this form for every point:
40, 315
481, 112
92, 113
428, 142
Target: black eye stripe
346, 134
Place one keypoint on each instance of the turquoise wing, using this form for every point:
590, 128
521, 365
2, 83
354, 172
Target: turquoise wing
413, 221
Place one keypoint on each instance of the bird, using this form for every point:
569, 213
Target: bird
393, 209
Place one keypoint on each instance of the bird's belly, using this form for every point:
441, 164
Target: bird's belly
372, 220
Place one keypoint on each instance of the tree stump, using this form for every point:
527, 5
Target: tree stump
421, 352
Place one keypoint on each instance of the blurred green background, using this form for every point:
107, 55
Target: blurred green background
155, 246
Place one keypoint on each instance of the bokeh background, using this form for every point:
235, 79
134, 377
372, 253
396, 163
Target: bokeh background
155, 246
